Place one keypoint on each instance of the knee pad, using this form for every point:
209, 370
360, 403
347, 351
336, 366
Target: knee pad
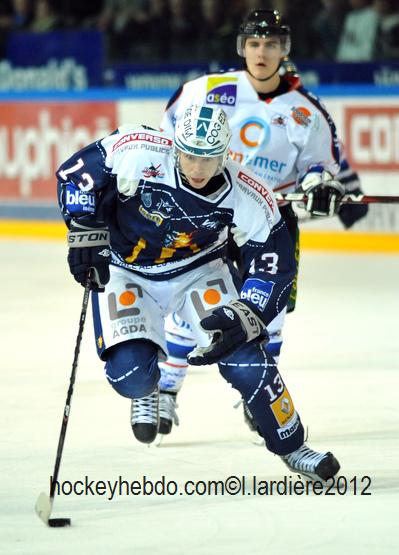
132, 368
246, 367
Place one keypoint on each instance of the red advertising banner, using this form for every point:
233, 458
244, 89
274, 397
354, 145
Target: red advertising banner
372, 137
35, 137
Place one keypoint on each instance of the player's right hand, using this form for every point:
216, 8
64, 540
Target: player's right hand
89, 251
230, 326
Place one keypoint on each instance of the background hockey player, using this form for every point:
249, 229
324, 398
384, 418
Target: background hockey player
148, 217
285, 135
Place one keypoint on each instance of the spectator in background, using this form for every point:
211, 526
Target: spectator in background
388, 29
79, 13
326, 29
125, 25
158, 36
5, 25
21, 14
299, 15
45, 18
358, 38
210, 40
234, 13
183, 29
15, 15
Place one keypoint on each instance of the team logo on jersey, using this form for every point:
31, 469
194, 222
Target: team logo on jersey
146, 199
180, 239
153, 217
254, 132
301, 116
210, 224
164, 208
153, 171
176, 240
221, 90
279, 121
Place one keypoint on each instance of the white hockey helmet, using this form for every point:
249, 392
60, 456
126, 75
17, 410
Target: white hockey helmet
203, 131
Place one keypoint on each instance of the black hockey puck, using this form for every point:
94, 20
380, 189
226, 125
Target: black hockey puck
59, 522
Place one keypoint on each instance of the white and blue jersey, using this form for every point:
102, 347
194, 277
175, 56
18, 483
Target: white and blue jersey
160, 228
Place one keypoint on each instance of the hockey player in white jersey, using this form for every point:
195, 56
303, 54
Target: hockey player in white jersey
148, 218
285, 135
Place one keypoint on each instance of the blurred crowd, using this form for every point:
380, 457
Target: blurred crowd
144, 31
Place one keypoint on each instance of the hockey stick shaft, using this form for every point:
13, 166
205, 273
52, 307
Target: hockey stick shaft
67, 408
346, 199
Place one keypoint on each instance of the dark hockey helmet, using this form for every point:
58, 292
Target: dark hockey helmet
264, 23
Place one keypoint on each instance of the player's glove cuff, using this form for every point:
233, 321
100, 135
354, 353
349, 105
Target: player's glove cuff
81, 236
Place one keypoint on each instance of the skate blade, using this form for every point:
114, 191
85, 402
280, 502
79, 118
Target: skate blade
43, 507
159, 440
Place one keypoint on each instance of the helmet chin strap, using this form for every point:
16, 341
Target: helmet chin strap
266, 78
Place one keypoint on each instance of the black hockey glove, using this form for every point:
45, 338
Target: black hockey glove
231, 326
323, 192
349, 214
89, 251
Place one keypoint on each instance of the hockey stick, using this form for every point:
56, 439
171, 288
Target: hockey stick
346, 199
44, 503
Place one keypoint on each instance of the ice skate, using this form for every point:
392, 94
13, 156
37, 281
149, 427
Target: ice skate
314, 465
145, 417
256, 436
167, 412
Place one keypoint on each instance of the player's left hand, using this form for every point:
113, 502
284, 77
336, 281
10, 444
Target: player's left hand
324, 193
230, 326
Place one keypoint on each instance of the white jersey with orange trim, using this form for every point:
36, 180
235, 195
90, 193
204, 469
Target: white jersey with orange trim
281, 138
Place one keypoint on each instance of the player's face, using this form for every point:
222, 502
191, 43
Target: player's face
198, 169
263, 56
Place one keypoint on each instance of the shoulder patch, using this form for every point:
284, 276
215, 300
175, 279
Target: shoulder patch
301, 115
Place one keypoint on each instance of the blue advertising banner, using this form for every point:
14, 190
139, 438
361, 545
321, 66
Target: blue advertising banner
154, 77
373, 73
75, 61
59, 60
136, 77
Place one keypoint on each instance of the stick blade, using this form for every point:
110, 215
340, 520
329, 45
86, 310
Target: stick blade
43, 508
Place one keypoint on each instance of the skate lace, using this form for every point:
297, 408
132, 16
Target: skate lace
304, 459
145, 409
167, 407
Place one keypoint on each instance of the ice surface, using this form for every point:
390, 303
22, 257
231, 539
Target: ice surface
340, 361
